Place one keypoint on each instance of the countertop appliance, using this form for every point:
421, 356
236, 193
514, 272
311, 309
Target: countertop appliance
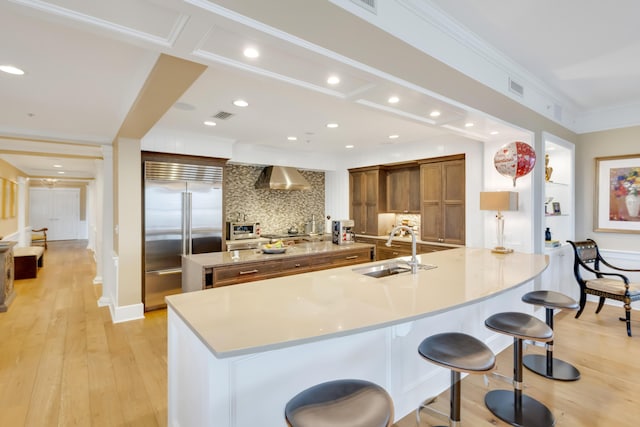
182, 216
341, 231
243, 230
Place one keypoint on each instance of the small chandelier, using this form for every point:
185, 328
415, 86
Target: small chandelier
49, 182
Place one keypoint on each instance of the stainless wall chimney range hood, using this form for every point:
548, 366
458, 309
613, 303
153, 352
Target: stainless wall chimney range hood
281, 178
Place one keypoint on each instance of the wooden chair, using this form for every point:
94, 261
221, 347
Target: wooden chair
605, 284
39, 236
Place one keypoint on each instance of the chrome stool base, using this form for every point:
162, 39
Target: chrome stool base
558, 369
518, 410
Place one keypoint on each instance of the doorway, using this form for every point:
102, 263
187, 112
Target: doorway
57, 209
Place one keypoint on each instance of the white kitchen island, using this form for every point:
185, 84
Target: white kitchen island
237, 354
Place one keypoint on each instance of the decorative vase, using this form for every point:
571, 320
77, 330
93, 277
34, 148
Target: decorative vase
633, 204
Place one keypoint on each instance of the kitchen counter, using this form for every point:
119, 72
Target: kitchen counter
308, 248
238, 353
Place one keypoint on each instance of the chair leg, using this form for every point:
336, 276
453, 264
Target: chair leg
583, 301
627, 309
600, 305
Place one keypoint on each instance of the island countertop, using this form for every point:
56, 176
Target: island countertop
297, 309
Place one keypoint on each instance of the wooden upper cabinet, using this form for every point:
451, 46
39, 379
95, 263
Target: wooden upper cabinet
367, 198
443, 200
403, 190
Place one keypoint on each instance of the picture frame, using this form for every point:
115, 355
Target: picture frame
617, 201
4, 195
556, 208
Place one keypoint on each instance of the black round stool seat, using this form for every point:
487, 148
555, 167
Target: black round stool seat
547, 365
341, 403
550, 299
513, 406
520, 325
458, 352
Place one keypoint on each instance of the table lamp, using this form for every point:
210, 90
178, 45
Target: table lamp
499, 201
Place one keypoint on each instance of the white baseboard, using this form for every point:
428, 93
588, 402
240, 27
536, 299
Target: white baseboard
97, 280
127, 312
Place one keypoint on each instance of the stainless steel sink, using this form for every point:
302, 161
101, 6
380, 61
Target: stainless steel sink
389, 269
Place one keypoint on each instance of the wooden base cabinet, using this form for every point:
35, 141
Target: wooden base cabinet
224, 275
443, 200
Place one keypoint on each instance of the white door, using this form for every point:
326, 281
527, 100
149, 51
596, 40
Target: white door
58, 209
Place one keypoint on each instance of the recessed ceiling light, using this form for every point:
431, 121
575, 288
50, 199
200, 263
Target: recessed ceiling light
495, 132
61, 172
348, 146
332, 125
240, 103
10, 69
435, 113
394, 136
333, 80
292, 138
209, 123
468, 125
251, 52
393, 100
57, 166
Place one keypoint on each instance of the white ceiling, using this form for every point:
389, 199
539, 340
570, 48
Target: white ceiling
85, 63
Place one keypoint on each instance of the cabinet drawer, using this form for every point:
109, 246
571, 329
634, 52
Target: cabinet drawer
351, 258
244, 272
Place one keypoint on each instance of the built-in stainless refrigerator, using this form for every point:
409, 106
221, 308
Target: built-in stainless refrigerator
182, 216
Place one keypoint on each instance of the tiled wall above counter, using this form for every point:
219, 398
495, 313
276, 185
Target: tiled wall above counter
275, 210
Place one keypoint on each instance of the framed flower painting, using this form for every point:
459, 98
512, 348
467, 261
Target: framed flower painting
618, 194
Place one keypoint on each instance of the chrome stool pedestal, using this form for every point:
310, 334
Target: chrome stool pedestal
547, 365
459, 353
514, 407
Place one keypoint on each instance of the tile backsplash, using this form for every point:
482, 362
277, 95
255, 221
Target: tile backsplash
275, 210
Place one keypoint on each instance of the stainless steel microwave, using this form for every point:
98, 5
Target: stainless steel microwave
243, 230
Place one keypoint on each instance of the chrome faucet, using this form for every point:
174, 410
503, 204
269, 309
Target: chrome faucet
414, 261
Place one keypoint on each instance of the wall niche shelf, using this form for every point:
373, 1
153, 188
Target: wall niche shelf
559, 190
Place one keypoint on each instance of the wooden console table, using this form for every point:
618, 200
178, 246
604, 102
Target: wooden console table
7, 293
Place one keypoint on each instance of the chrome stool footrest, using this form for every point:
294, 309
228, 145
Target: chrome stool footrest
426, 405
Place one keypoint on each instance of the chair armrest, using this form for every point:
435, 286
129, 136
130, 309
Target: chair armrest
631, 270
604, 273
41, 230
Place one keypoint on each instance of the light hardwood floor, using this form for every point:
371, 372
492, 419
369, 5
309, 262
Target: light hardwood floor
64, 363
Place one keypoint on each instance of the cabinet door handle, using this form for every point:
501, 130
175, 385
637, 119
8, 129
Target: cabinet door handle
248, 272
352, 257
297, 265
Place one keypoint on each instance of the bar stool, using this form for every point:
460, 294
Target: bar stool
514, 407
459, 353
341, 403
547, 366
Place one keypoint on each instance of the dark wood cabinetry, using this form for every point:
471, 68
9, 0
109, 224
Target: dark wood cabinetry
368, 189
403, 189
443, 200
224, 275
433, 188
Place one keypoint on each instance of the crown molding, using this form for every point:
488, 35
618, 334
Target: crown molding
59, 11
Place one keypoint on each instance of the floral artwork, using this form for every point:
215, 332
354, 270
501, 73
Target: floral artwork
625, 185
617, 200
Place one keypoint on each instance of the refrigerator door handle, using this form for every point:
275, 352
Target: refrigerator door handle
189, 224
183, 224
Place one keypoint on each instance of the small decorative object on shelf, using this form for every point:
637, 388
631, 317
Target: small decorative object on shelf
547, 234
552, 243
548, 170
556, 208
